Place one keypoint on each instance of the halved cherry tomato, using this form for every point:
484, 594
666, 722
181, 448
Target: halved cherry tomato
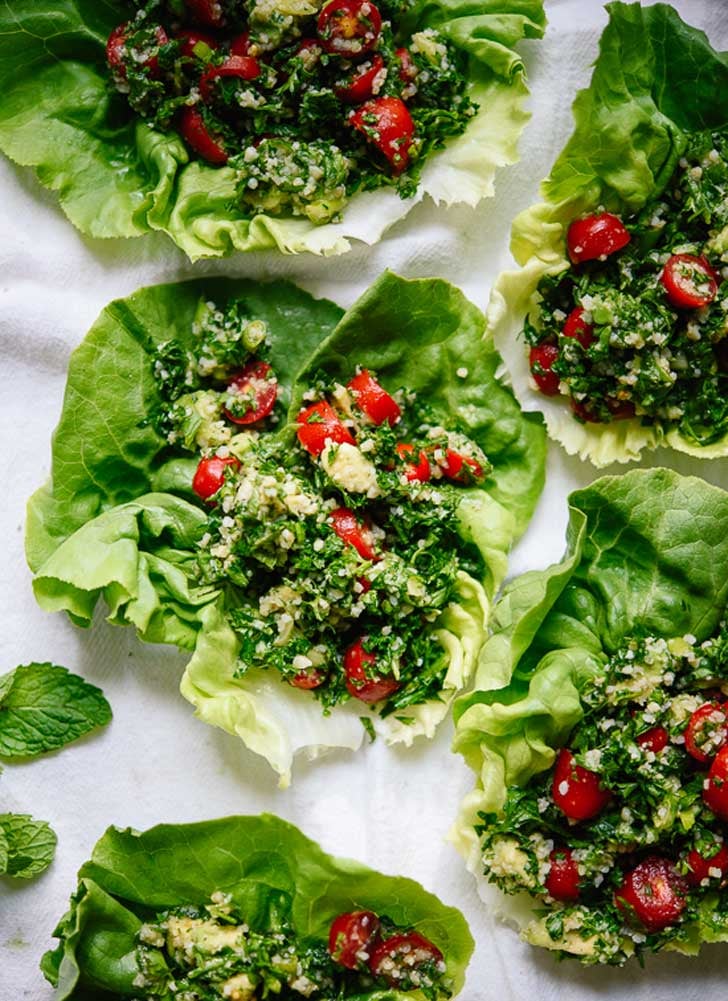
387, 124
407, 68
562, 880
207, 12
308, 679
654, 893
239, 67
596, 236
401, 954
715, 788
116, 49
196, 134
577, 791
700, 866
461, 468
345, 524
540, 361
654, 740
240, 45
360, 684
373, 400
706, 732
418, 471
352, 936
255, 388
210, 475
319, 424
360, 85
190, 38
349, 27
576, 326
689, 282
364, 584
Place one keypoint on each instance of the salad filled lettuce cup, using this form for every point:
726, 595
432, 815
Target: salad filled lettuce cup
318, 506
598, 729
246, 906
615, 325
246, 126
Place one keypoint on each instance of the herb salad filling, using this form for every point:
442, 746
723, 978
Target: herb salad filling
205, 953
306, 102
637, 326
335, 539
622, 842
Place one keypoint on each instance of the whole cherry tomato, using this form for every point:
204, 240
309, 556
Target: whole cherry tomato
562, 880
577, 791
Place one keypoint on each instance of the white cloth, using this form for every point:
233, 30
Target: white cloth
155, 762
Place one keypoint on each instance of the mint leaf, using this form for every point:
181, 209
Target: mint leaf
43, 707
27, 846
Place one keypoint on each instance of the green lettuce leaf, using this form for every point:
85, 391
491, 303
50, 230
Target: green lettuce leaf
655, 81
96, 533
646, 555
27, 846
254, 859
44, 707
115, 176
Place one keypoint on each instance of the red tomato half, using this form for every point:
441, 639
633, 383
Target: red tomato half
360, 84
308, 679
210, 475
414, 471
373, 400
540, 360
238, 67
353, 935
576, 326
189, 38
318, 424
562, 881
256, 390
706, 732
700, 866
461, 468
349, 27
654, 893
344, 523
407, 68
577, 792
387, 124
715, 790
654, 740
689, 281
207, 12
399, 955
116, 50
196, 134
240, 45
596, 236
362, 684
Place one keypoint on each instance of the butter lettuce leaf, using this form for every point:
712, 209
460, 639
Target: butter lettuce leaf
117, 177
27, 846
255, 860
655, 81
119, 523
44, 707
646, 555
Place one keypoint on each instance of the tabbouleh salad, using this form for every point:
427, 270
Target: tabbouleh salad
207, 953
335, 539
637, 326
307, 102
622, 842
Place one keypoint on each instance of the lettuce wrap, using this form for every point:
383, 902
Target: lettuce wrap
263, 865
646, 557
656, 82
119, 521
116, 177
